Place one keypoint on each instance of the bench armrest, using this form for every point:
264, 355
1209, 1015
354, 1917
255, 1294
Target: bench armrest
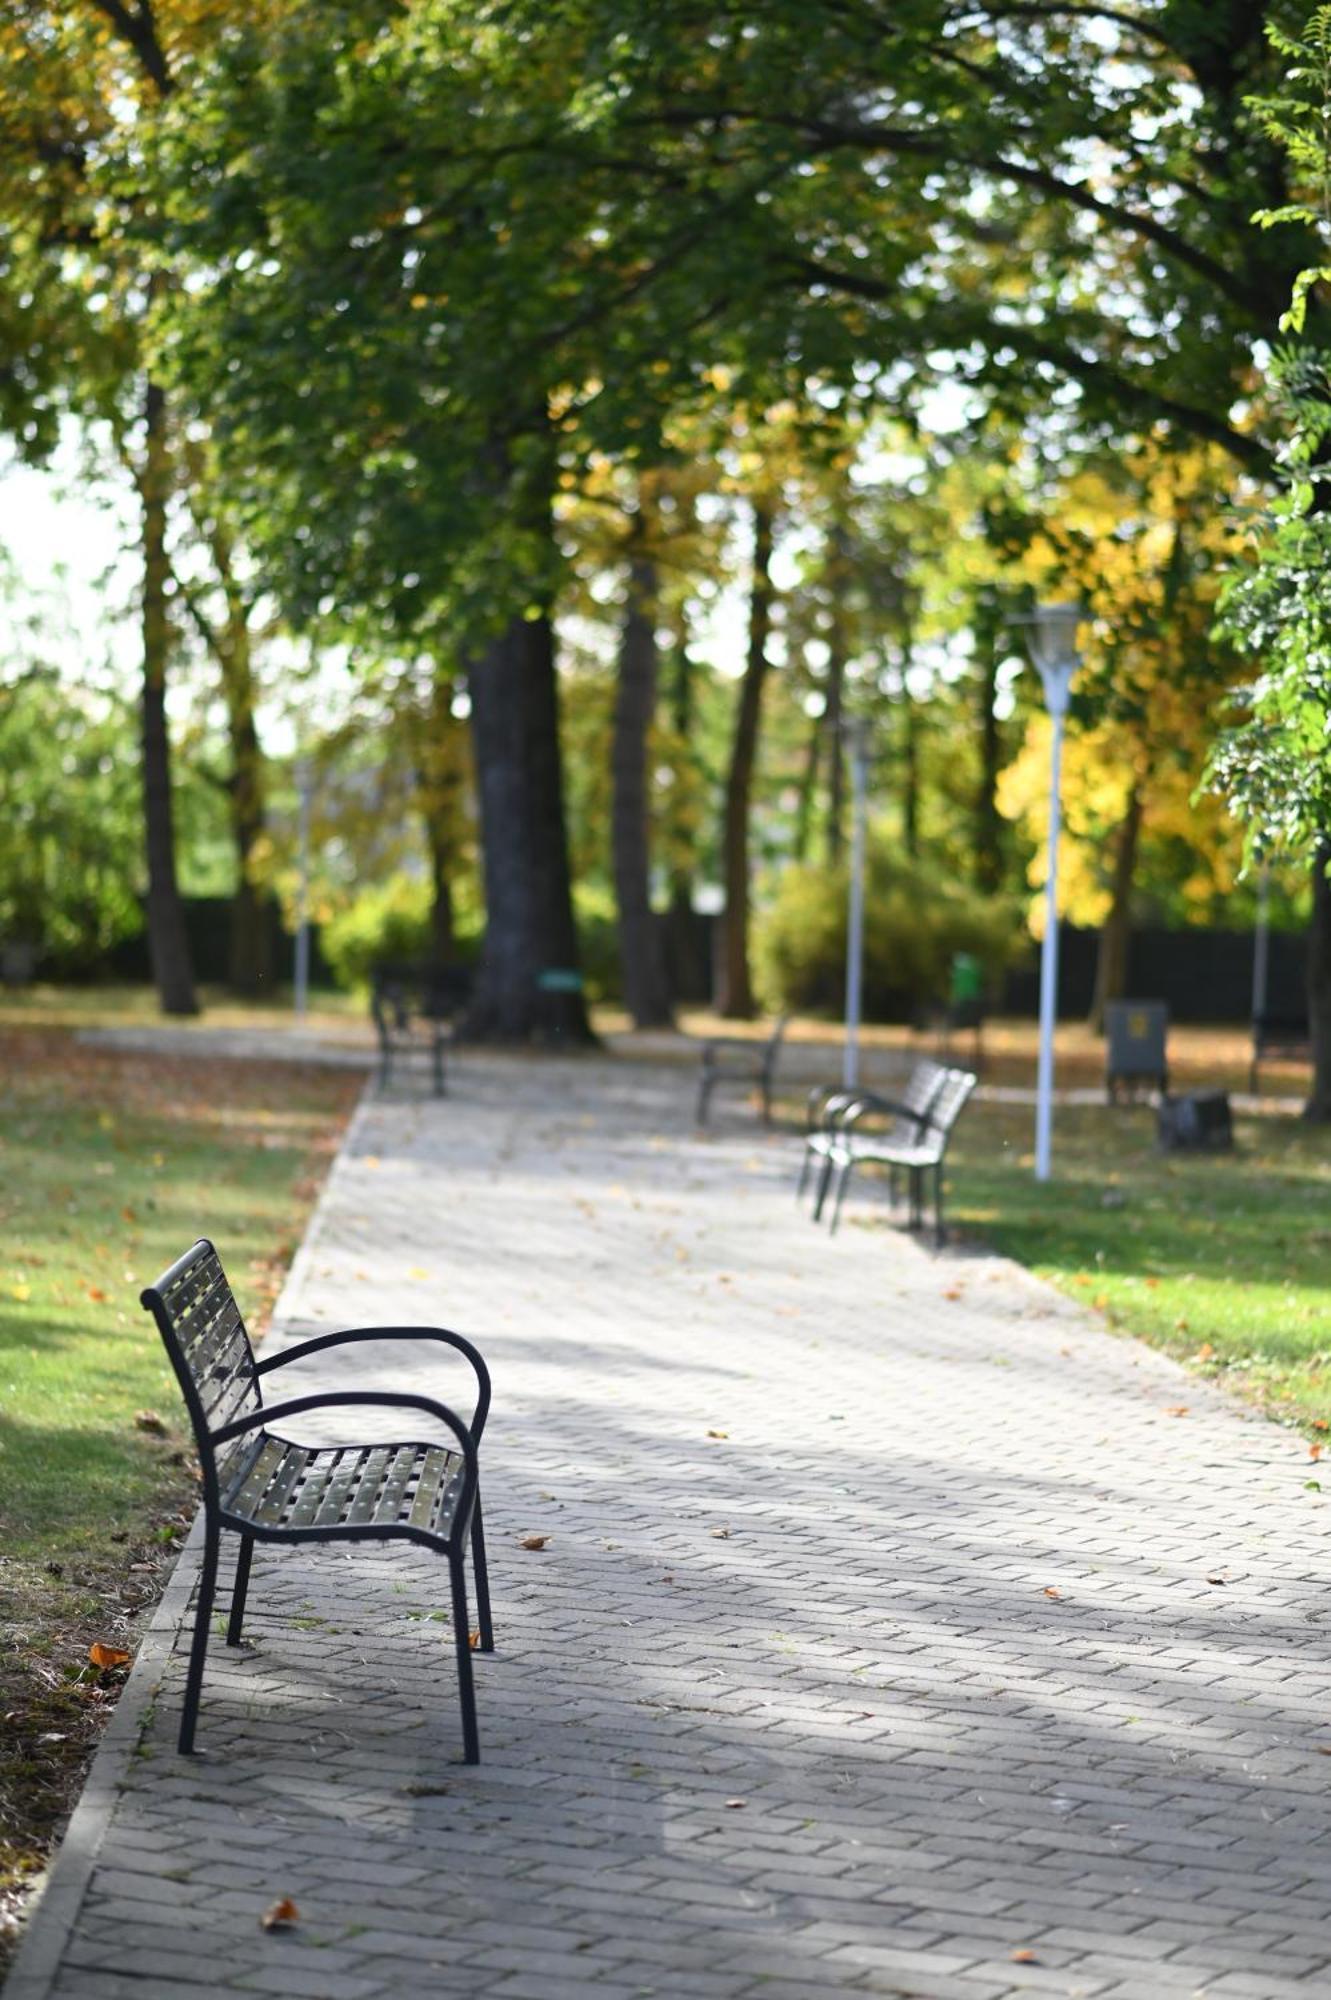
888, 1107
356, 1398
354, 1333
826, 1104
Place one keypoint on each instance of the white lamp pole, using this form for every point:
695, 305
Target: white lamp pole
856, 731
1053, 641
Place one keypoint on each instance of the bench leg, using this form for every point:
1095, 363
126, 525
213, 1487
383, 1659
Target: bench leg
940, 1233
842, 1178
471, 1746
705, 1086
199, 1644
481, 1572
824, 1182
240, 1590
803, 1181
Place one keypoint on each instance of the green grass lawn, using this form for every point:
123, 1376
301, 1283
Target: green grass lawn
1224, 1259
110, 1166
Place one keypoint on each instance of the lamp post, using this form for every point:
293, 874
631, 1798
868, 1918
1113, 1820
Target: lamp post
855, 731
1053, 644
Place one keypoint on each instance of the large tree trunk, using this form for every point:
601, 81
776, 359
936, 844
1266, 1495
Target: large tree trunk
167, 940
529, 929
641, 947
686, 960
1318, 1107
988, 855
440, 777
1111, 962
735, 995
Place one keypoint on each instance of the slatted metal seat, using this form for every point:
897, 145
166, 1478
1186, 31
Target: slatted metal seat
917, 1147
263, 1486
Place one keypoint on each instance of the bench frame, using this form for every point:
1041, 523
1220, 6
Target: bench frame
921, 1156
197, 1279
734, 1059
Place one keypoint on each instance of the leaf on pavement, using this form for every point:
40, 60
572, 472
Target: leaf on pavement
533, 1541
279, 1914
718, 1434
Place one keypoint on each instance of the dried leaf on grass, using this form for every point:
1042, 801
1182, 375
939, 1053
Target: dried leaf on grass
279, 1914
148, 1420
104, 1657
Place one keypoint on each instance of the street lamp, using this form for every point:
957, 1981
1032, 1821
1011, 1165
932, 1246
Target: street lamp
1053, 644
855, 732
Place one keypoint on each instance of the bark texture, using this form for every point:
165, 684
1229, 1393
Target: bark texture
735, 993
167, 940
529, 929
641, 945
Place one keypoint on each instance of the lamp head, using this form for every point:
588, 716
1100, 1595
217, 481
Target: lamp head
1052, 632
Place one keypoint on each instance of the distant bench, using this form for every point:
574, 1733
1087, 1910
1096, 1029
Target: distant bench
1282, 1037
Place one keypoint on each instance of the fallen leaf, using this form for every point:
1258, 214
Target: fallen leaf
97, 1295
1204, 1352
1024, 1957
1100, 1301
1321, 1424
148, 1420
721, 1534
474, 1641
533, 1541
279, 1914
952, 1292
1314, 1451
718, 1434
1322, 1749
1177, 1410
1049, 1591
1217, 1578
1180, 1325
736, 1805
107, 1656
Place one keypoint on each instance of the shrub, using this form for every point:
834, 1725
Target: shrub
915, 921
389, 921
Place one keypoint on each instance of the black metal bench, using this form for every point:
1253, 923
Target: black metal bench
903, 1140
414, 1009
728, 1059
828, 1105
1285, 1037
265, 1487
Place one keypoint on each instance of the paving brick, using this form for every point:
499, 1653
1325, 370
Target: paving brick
938, 1762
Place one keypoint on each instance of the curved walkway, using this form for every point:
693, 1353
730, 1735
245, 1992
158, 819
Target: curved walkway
899, 1631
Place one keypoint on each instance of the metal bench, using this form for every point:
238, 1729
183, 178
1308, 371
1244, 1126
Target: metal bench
915, 1142
828, 1105
414, 1008
265, 1487
731, 1059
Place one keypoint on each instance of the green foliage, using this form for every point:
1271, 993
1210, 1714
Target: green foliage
69, 824
598, 940
388, 922
915, 921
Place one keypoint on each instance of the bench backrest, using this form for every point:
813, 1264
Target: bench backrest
204, 1333
954, 1088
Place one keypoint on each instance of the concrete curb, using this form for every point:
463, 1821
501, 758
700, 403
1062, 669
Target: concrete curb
55, 1910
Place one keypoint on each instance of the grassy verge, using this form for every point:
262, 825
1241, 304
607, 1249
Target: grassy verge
1224, 1260
110, 1165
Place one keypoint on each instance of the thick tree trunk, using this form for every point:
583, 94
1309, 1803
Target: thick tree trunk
167, 940
686, 967
1111, 962
524, 990
988, 855
735, 995
641, 946
1318, 1107
813, 757
440, 778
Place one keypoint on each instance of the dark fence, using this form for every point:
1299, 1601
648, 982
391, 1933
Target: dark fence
208, 928
1202, 975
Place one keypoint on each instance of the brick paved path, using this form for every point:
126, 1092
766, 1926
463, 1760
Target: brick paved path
899, 1632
